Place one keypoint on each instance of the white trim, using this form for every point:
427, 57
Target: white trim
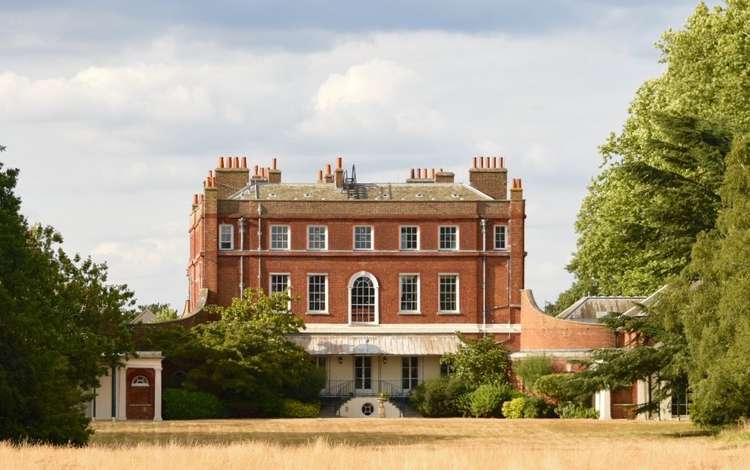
231, 238
457, 311
354, 238
418, 311
325, 248
458, 238
408, 328
375, 285
494, 237
288, 237
307, 300
419, 244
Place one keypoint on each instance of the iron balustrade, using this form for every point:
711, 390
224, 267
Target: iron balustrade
346, 388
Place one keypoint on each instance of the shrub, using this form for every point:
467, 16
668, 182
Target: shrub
576, 411
564, 388
487, 400
538, 408
514, 408
190, 404
531, 368
296, 409
442, 397
480, 361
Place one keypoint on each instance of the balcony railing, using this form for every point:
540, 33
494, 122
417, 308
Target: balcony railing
349, 388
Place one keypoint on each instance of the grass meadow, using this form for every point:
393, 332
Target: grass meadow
385, 444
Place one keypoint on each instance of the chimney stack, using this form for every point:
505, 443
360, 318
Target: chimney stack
338, 176
489, 176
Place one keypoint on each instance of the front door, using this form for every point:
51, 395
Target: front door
363, 373
140, 394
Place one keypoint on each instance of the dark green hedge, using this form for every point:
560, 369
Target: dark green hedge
189, 404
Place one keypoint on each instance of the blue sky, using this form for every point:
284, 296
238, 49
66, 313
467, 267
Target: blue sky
114, 111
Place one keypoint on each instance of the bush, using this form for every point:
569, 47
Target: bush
296, 409
531, 368
480, 361
538, 408
190, 404
514, 408
575, 411
564, 388
487, 400
444, 397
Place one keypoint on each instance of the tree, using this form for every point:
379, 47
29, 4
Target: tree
529, 369
245, 357
61, 326
659, 185
162, 312
480, 361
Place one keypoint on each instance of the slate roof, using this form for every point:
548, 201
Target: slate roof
427, 192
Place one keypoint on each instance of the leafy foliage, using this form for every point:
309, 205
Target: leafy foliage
480, 361
513, 409
576, 411
61, 326
567, 388
245, 358
659, 187
191, 404
529, 369
162, 312
487, 400
443, 397
296, 409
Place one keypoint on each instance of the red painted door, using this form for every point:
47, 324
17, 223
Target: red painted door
140, 394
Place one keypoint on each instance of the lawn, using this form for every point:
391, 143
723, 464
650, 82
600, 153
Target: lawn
358, 444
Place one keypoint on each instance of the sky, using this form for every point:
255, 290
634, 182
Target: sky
115, 111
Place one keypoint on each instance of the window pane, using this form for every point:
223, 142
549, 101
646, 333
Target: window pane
500, 237
316, 293
448, 293
279, 283
316, 237
448, 238
226, 236
363, 300
409, 238
409, 293
279, 237
362, 238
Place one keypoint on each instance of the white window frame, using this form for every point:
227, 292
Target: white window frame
418, 311
400, 237
375, 286
307, 300
288, 237
494, 237
325, 242
457, 311
354, 238
458, 237
411, 377
288, 286
231, 237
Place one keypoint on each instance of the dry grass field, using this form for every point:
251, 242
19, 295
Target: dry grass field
355, 444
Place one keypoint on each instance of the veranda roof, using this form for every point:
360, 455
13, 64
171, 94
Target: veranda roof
396, 345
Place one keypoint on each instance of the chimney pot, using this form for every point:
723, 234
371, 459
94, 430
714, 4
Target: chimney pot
502, 162
273, 163
328, 169
433, 173
244, 162
474, 162
221, 162
210, 173
339, 163
320, 176
411, 174
255, 170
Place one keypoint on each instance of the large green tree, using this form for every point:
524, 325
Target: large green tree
61, 326
658, 188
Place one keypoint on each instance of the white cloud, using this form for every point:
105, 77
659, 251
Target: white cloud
112, 149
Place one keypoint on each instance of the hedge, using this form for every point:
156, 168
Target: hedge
191, 404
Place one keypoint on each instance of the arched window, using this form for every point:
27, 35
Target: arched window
139, 381
363, 298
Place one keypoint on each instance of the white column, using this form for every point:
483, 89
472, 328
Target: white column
122, 391
603, 404
157, 394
